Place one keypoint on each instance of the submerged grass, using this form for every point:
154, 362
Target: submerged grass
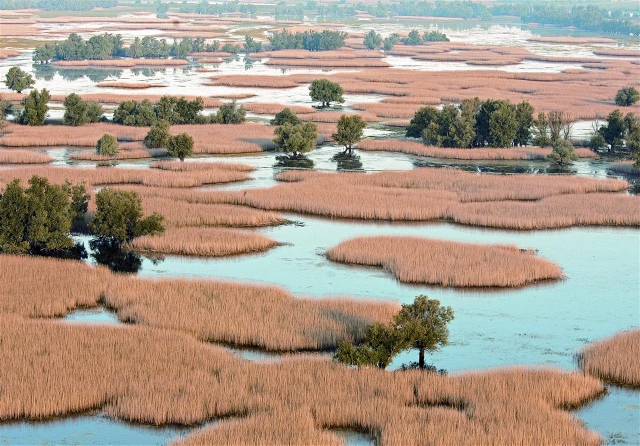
447, 263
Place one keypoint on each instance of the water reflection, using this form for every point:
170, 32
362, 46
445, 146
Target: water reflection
47, 72
248, 63
347, 161
293, 161
111, 255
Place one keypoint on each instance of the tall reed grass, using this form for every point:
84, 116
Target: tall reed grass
447, 263
23, 157
614, 359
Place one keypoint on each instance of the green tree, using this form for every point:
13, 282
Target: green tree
613, 132
633, 144
420, 121
541, 131
5, 107
296, 139
563, 153
94, 111
44, 53
503, 125
35, 107
118, 217
75, 110
524, 118
180, 146
349, 131
597, 142
627, 96
135, 50
414, 38
381, 343
372, 40
285, 116
390, 41
37, 219
158, 135
107, 145
426, 321
18, 80
325, 92
251, 46
230, 113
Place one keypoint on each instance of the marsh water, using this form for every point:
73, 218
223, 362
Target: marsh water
540, 325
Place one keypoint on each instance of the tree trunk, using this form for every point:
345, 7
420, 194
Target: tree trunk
421, 359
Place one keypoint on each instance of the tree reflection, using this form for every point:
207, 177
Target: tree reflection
293, 161
347, 161
111, 255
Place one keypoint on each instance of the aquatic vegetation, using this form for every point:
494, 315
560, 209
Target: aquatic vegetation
447, 263
205, 242
160, 377
614, 359
416, 148
23, 157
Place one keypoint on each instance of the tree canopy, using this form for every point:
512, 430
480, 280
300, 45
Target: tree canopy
325, 92
230, 113
372, 40
180, 146
563, 153
296, 139
627, 96
349, 131
158, 136
285, 116
79, 112
309, 40
118, 217
35, 107
18, 80
107, 145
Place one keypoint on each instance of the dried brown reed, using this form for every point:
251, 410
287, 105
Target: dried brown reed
144, 177
210, 60
191, 166
23, 157
225, 138
121, 63
334, 116
428, 194
322, 55
329, 63
262, 108
416, 148
387, 110
205, 242
614, 359
447, 263
160, 377
253, 81
5, 53
620, 52
129, 85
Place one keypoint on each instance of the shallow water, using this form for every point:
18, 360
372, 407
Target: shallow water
98, 315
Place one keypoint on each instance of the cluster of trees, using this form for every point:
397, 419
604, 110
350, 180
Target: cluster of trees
79, 112
325, 92
159, 136
627, 96
204, 7
620, 131
308, 40
169, 108
35, 107
374, 40
110, 46
463, 9
39, 219
474, 123
421, 325
414, 37
589, 18
58, 5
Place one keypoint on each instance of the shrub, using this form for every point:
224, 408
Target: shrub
230, 113
296, 139
627, 96
180, 146
325, 91
18, 80
107, 145
285, 116
35, 107
158, 135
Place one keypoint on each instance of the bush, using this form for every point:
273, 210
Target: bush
18, 80
35, 107
563, 153
118, 217
107, 145
158, 136
349, 131
180, 146
325, 91
296, 139
230, 113
285, 116
627, 96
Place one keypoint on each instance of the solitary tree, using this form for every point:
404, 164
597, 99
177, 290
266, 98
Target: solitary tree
158, 135
627, 96
372, 40
326, 92
180, 146
35, 107
285, 116
349, 131
426, 321
118, 217
296, 139
107, 145
18, 80
230, 113
75, 110
421, 325
563, 153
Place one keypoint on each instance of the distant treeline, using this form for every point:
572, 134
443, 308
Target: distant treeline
308, 40
58, 5
205, 7
109, 46
588, 18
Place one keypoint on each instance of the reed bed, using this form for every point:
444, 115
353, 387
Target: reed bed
334, 116
330, 63
144, 177
212, 311
447, 263
235, 80
461, 197
23, 157
416, 148
121, 63
262, 108
159, 377
387, 110
614, 359
191, 166
226, 139
6, 53
129, 85
618, 52
322, 55
203, 242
